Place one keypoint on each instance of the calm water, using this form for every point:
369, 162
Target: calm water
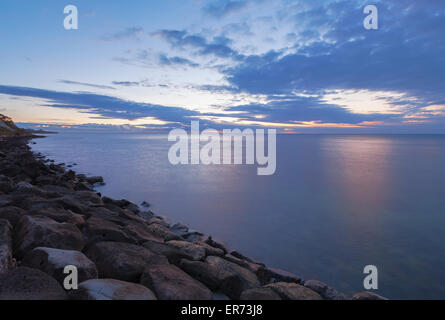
334, 205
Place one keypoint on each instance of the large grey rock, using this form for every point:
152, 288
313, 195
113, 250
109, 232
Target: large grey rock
171, 283
256, 268
53, 262
5, 246
122, 261
277, 275
293, 291
366, 295
195, 251
180, 229
111, 289
324, 290
162, 232
213, 277
259, 294
29, 284
12, 214
241, 280
41, 231
62, 215
98, 229
174, 255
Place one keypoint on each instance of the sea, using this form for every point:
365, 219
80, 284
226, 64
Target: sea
335, 204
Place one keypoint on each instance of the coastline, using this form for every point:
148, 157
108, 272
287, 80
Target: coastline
51, 217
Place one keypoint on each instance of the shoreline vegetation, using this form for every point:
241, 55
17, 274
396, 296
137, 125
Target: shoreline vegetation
51, 217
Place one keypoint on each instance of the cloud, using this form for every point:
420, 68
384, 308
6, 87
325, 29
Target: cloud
220, 9
406, 54
86, 84
218, 46
164, 60
126, 83
128, 33
102, 105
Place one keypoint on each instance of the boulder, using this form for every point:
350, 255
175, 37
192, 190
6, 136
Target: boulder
122, 261
162, 232
195, 251
293, 291
258, 269
110, 289
53, 262
29, 284
5, 201
259, 294
94, 180
277, 275
12, 214
241, 280
324, 290
213, 277
98, 229
5, 246
41, 231
193, 236
174, 255
61, 215
180, 229
171, 283
366, 295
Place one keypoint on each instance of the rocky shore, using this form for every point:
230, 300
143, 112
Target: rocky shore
51, 217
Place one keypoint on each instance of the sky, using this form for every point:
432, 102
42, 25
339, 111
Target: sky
295, 65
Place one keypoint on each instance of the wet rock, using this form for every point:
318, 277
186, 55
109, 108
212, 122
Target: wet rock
174, 255
195, 251
53, 262
366, 295
217, 244
29, 284
171, 283
41, 231
293, 291
193, 236
277, 275
259, 294
145, 204
12, 214
5, 246
110, 289
213, 277
146, 215
140, 233
122, 261
94, 180
258, 269
97, 230
162, 232
62, 215
5, 201
180, 229
324, 290
242, 279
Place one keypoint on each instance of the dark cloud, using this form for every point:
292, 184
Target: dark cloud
406, 54
171, 61
128, 33
91, 85
218, 46
223, 8
126, 83
105, 106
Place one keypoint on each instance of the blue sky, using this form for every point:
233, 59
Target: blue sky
299, 66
